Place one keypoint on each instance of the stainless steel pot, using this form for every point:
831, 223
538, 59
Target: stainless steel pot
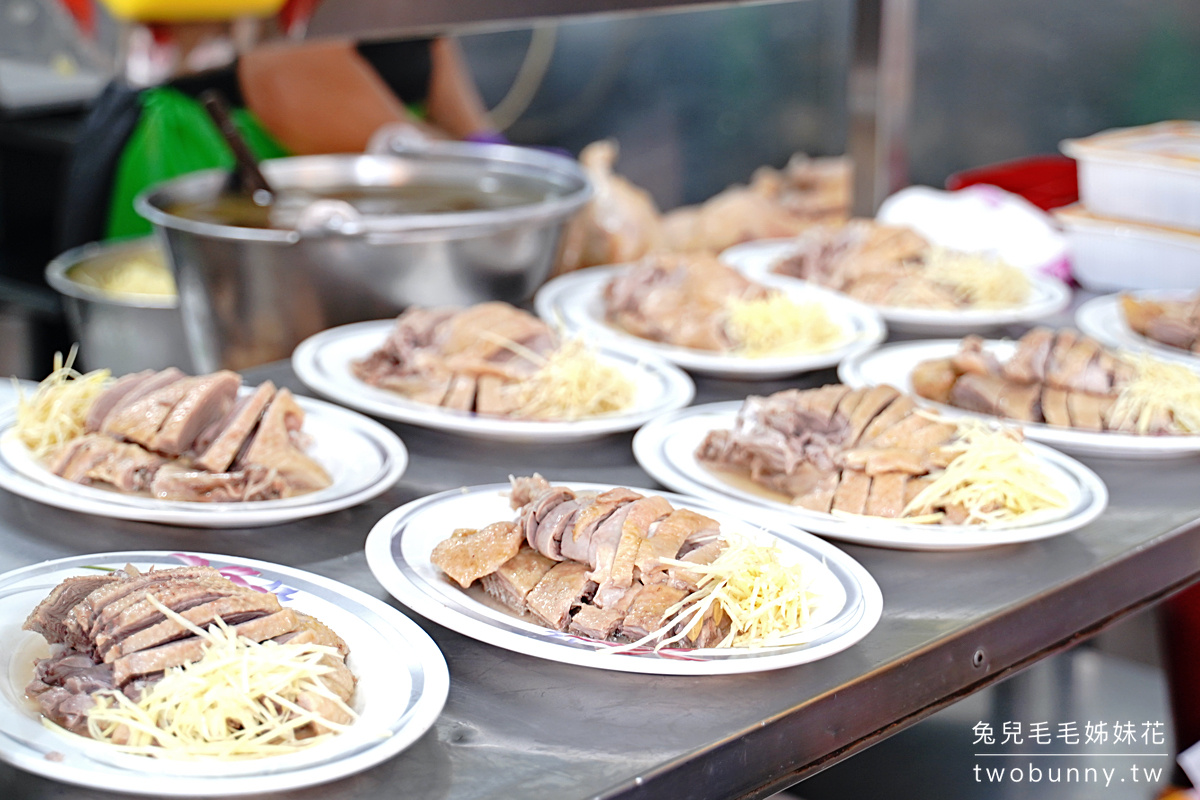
250, 295
124, 333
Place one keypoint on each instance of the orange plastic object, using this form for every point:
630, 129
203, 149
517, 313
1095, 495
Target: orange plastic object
190, 10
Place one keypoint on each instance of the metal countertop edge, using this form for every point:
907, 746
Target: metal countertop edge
819, 733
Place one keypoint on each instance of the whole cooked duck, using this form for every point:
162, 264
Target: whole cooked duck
1175, 323
693, 300
873, 452
1065, 379
894, 266
621, 566
118, 637
171, 436
496, 360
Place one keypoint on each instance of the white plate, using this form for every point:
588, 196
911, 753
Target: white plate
666, 449
1047, 296
363, 457
576, 301
1103, 319
323, 363
399, 547
894, 364
402, 686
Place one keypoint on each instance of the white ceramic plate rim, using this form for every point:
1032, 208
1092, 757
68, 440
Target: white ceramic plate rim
898, 360
331, 377
1103, 319
860, 616
21, 475
655, 447
1049, 295
575, 300
26, 746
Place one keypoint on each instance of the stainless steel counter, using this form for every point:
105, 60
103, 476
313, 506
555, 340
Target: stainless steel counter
515, 726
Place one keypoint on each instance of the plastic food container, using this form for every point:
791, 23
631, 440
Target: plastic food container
1111, 255
1150, 173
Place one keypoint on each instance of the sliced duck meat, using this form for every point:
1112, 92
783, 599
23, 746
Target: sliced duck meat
595, 622
63, 685
185, 651
981, 393
492, 339
234, 430
1087, 411
138, 420
96, 458
469, 554
514, 579
685, 578
972, 358
112, 396
83, 616
820, 496
666, 539
274, 446
549, 532
460, 395
935, 379
576, 543
1054, 407
886, 498
559, 591
617, 576
312, 631
851, 494
648, 611
604, 542
1069, 367
1021, 402
825, 402
524, 490
134, 611
536, 511
899, 408
208, 399
49, 618
174, 482
496, 396
232, 609
874, 402
893, 459
1028, 362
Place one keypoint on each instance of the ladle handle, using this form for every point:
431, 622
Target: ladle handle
248, 174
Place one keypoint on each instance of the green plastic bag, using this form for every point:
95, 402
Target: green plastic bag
174, 136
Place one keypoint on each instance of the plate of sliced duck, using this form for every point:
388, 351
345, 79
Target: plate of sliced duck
625, 579
1064, 389
1163, 323
187, 674
916, 287
489, 371
202, 451
869, 466
703, 315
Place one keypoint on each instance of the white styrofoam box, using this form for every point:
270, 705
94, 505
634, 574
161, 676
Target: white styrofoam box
1150, 173
1112, 254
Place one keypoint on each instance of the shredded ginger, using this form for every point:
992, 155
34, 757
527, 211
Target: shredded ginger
237, 702
995, 479
976, 280
58, 408
775, 325
137, 276
763, 597
572, 383
1161, 396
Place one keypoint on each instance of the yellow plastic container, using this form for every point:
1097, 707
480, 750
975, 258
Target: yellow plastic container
190, 10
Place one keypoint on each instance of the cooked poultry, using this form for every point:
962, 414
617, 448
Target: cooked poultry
109, 633
492, 359
189, 438
1175, 323
776, 203
1065, 379
894, 266
838, 450
595, 564
693, 300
